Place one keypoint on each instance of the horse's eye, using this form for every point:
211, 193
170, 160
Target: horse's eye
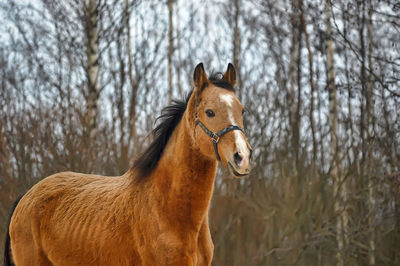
210, 113
243, 111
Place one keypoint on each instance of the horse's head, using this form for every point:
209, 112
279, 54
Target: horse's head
218, 121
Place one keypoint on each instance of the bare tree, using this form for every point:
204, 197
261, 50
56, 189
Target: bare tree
334, 147
312, 87
73, 71
236, 40
292, 76
370, 125
92, 65
170, 47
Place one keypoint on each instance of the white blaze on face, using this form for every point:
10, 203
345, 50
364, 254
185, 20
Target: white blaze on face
228, 100
242, 149
240, 141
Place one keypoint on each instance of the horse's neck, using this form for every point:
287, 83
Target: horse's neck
184, 178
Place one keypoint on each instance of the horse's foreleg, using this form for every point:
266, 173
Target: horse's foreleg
205, 245
41, 259
172, 250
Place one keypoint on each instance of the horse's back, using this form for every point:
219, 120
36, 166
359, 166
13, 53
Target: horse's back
64, 215
41, 197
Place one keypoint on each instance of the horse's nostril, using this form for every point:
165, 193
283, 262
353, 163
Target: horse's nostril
237, 158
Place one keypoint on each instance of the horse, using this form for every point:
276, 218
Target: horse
154, 214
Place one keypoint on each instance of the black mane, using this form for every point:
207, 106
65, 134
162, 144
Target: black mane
169, 119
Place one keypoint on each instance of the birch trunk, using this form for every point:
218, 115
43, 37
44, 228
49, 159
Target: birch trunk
292, 77
312, 86
178, 48
333, 122
5, 167
133, 84
369, 138
170, 48
92, 63
236, 44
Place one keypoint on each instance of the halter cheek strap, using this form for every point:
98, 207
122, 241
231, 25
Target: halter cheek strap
214, 136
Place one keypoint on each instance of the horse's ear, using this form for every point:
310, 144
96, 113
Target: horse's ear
230, 75
200, 77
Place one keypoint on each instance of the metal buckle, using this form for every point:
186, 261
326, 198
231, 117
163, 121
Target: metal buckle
215, 138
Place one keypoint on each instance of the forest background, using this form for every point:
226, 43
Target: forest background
81, 83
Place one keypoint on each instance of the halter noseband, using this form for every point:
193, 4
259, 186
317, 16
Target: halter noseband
214, 136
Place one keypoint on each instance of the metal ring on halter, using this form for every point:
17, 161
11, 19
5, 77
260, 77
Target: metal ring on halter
214, 136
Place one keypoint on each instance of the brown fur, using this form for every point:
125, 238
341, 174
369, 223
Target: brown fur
78, 219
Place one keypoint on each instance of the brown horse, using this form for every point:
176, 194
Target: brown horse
157, 212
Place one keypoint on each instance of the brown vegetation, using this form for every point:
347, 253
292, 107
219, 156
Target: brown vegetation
309, 198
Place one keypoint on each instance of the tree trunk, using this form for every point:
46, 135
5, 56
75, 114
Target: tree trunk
297, 120
370, 124
178, 48
170, 48
312, 86
334, 151
5, 168
349, 99
293, 79
236, 44
92, 63
133, 84
394, 180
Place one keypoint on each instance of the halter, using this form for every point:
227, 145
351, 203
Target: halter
214, 136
